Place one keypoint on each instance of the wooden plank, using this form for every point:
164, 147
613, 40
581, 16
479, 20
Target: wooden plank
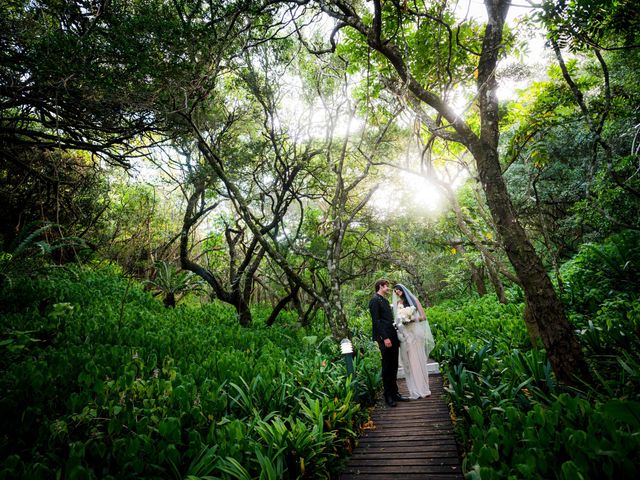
395, 435
424, 415
394, 468
405, 427
415, 439
424, 448
405, 476
401, 459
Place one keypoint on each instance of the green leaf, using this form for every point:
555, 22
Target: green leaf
487, 455
476, 415
232, 467
170, 429
625, 411
571, 471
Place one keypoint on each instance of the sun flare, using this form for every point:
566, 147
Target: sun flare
407, 192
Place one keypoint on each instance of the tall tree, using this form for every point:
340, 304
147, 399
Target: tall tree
243, 154
89, 82
343, 190
394, 30
243, 253
324, 176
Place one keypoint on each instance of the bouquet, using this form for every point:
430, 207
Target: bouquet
405, 314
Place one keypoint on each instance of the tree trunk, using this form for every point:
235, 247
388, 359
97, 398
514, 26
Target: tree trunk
545, 307
478, 280
305, 321
169, 300
496, 282
337, 319
281, 304
334, 309
422, 293
244, 312
235, 296
532, 326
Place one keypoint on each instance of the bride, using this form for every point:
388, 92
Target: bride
416, 340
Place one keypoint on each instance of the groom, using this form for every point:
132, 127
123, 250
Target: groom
384, 333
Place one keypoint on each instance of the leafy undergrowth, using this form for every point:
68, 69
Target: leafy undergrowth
512, 418
100, 381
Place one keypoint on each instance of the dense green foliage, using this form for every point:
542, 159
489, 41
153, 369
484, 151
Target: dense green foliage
602, 274
513, 419
119, 387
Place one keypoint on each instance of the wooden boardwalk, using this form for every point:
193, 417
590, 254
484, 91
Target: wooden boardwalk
411, 441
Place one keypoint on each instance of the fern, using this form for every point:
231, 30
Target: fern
173, 283
29, 251
27, 237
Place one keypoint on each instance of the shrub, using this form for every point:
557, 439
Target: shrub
119, 387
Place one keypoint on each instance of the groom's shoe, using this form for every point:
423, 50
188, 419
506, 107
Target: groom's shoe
400, 398
389, 401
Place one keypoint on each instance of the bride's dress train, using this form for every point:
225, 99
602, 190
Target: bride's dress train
413, 356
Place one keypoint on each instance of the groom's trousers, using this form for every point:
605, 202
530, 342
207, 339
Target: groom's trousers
390, 369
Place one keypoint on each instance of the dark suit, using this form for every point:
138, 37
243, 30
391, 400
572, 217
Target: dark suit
382, 327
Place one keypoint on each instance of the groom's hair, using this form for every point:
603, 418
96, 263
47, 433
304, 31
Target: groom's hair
380, 283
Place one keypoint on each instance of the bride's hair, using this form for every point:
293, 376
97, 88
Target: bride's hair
407, 297
402, 297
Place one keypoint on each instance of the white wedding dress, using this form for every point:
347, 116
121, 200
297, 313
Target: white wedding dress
416, 342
